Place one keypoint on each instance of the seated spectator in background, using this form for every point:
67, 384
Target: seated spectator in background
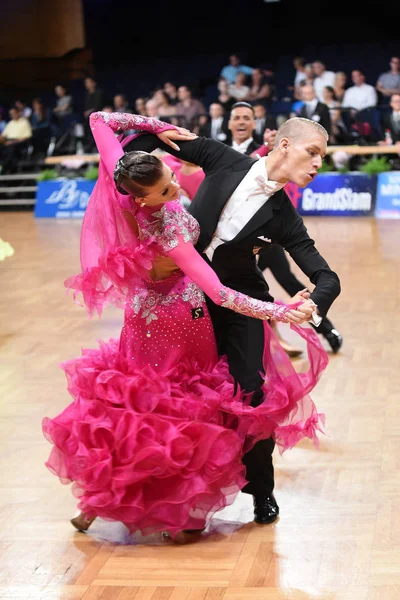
313, 109
23, 108
235, 66
263, 119
63, 104
239, 89
189, 109
322, 78
360, 95
16, 134
108, 108
41, 126
299, 64
121, 104
152, 109
330, 98
242, 127
216, 126
308, 80
340, 85
3, 122
390, 122
93, 102
40, 118
389, 83
93, 97
224, 98
172, 90
259, 89
165, 107
140, 106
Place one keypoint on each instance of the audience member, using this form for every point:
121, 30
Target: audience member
216, 126
322, 78
13, 140
172, 90
63, 104
259, 89
340, 85
121, 104
313, 109
239, 89
360, 95
390, 122
263, 120
189, 108
23, 108
235, 66
140, 106
165, 107
224, 98
389, 82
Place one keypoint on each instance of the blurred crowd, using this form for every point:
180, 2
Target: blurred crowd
351, 109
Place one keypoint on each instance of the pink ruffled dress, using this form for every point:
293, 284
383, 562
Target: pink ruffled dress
156, 431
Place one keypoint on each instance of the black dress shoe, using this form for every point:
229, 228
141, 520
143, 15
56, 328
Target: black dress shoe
334, 339
266, 509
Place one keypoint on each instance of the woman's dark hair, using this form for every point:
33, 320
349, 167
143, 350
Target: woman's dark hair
141, 168
331, 91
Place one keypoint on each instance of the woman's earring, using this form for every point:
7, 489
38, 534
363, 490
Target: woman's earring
142, 204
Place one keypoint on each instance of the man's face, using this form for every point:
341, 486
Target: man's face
395, 63
119, 101
395, 102
14, 114
303, 157
216, 111
259, 111
357, 78
318, 68
90, 84
234, 60
59, 91
241, 123
183, 93
307, 93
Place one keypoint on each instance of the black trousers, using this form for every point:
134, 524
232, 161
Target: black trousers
241, 339
10, 155
276, 261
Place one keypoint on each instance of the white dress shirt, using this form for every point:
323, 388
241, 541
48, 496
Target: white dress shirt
251, 194
242, 147
310, 107
360, 97
327, 78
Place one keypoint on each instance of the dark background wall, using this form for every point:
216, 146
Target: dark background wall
133, 46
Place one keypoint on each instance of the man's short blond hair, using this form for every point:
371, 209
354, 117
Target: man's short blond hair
299, 127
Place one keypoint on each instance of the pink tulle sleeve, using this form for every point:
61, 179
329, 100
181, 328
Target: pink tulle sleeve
105, 125
175, 239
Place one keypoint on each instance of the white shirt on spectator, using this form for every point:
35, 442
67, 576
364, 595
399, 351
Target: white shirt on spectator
326, 79
238, 92
300, 76
360, 97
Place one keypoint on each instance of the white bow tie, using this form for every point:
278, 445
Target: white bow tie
266, 187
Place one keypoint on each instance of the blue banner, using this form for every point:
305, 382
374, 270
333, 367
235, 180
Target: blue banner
388, 195
63, 198
338, 194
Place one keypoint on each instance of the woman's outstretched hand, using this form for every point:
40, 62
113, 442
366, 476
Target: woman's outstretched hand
179, 134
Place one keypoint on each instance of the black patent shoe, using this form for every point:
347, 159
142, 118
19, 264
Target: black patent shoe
266, 509
334, 339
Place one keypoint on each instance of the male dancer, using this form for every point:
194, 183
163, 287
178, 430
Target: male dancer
241, 207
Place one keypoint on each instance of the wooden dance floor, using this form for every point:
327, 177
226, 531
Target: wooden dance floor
338, 536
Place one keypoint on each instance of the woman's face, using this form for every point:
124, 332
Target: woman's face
165, 190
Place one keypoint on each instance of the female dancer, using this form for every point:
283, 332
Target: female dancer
157, 429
